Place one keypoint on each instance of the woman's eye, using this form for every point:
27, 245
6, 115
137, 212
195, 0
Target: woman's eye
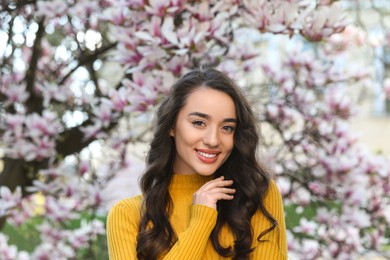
198, 123
229, 129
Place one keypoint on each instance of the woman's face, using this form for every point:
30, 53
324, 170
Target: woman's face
204, 132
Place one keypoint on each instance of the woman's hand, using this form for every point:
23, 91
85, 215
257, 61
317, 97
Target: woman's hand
213, 191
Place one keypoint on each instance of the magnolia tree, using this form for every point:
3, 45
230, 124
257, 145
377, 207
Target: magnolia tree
80, 81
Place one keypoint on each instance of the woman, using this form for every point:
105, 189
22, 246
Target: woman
205, 195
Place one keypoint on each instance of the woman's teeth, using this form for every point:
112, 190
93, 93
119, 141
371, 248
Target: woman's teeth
207, 155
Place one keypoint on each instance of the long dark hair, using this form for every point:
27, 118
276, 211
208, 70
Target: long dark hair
251, 180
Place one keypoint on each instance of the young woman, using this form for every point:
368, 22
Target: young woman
205, 195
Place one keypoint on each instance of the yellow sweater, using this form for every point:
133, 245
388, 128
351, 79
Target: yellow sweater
193, 225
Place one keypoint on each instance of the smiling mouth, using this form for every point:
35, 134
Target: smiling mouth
207, 155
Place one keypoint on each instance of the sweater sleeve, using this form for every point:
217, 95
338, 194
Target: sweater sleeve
191, 243
122, 230
273, 245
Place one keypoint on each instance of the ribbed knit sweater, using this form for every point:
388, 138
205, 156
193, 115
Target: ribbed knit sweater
193, 225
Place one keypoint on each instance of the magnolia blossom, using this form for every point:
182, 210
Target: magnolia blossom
31, 137
53, 9
310, 248
81, 237
65, 196
10, 252
386, 88
15, 94
164, 7
283, 17
350, 37
120, 100
143, 90
359, 218
8, 199
104, 112
58, 251
339, 103
60, 210
177, 65
323, 22
54, 93
306, 227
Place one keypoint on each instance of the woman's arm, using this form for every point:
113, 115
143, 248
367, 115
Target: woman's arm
274, 245
122, 229
191, 243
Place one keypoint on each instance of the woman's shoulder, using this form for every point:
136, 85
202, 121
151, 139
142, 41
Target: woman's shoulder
274, 205
273, 192
272, 200
132, 204
123, 218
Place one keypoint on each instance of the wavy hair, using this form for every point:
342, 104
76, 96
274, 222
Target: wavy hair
251, 180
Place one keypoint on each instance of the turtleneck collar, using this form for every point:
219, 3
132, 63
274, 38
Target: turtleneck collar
182, 184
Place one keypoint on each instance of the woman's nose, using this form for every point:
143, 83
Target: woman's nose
211, 137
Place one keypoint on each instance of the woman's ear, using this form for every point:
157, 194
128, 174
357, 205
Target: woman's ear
172, 132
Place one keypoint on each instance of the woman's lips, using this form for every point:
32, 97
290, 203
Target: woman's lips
207, 156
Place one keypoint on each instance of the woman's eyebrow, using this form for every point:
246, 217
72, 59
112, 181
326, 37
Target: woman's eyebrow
203, 115
206, 116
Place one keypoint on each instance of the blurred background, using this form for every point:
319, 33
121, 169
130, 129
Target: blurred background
80, 82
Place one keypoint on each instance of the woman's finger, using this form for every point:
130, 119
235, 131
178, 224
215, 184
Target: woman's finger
213, 191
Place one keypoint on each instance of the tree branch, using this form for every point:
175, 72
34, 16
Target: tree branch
72, 140
88, 59
6, 5
35, 102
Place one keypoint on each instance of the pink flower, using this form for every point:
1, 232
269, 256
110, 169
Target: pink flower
143, 90
386, 88
168, 31
60, 210
119, 99
357, 217
81, 237
272, 111
15, 125
339, 104
257, 13
51, 92
310, 248
104, 113
92, 131
24, 211
115, 14
284, 18
31, 136
15, 94
45, 147
8, 199
84, 167
323, 22
317, 188
10, 252
163, 7
177, 65
50, 234
306, 227
51, 9
45, 125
